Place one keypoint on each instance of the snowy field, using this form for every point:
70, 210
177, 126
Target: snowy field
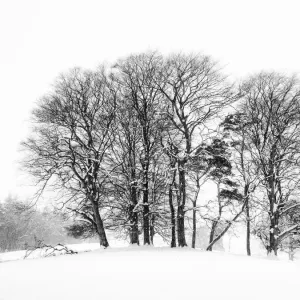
149, 273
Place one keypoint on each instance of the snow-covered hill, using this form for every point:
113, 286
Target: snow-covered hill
149, 273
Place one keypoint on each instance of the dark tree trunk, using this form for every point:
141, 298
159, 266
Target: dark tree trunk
180, 227
194, 225
172, 210
248, 229
181, 205
273, 213
152, 232
145, 166
133, 218
248, 225
146, 209
194, 234
134, 229
273, 245
212, 235
100, 227
173, 218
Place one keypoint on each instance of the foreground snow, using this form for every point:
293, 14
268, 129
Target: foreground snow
148, 273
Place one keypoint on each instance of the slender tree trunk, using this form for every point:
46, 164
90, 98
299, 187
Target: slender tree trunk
181, 206
248, 229
146, 207
173, 218
172, 210
273, 213
194, 214
100, 226
152, 232
248, 225
194, 225
145, 166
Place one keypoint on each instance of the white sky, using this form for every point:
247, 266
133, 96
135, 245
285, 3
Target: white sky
40, 39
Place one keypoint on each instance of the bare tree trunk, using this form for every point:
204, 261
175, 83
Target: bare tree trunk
194, 225
100, 227
248, 229
273, 245
133, 214
152, 232
181, 206
133, 218
173, 218
146, 208
194, 213
273, 213
172, 210
248, 225
212, 235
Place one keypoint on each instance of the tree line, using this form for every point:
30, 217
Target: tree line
130, 146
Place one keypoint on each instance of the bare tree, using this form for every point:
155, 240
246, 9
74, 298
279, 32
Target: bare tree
73, 131
137, 75
195, 92
270, 110
126, 153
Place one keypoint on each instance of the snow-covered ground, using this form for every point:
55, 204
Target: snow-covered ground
149, 273
83, 247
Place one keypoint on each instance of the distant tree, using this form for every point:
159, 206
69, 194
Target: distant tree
21, 224
15, 226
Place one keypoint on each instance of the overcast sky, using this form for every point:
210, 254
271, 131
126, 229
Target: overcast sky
40, 39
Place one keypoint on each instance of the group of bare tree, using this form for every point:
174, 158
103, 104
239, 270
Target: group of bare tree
129, 147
